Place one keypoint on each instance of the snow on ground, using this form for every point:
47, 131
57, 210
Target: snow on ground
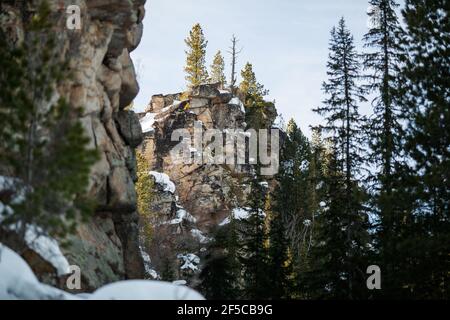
147, 122
190, 261
163, 180
18, 282
145, 290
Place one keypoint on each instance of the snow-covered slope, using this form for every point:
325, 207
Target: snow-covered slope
18, 282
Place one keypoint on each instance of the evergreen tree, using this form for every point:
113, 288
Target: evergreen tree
279, 264
257, 110
344, 123
218, 70
385, 133
220, 274
43, 146
253, 252
328, 275
195, 61
425, 96
249, 85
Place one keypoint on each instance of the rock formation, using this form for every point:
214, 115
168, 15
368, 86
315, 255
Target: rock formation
103, 82
206, 193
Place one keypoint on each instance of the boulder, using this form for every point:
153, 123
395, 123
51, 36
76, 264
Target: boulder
205, 91
129, 128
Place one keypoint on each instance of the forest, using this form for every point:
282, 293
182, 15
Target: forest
357, 211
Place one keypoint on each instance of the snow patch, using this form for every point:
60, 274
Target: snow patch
238, 214
236, 101
145, 290
18, 282
197, 234
163, 180
190, 261
147, 122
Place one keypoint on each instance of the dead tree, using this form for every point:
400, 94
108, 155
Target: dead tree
234, 54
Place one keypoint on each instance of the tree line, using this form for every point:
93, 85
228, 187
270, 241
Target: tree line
364, 190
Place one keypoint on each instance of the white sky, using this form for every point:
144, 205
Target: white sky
285, 40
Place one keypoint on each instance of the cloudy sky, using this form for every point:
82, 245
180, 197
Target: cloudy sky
286, 40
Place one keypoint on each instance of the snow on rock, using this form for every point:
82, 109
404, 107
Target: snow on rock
145, 290
197, 234
238, 214
147, 122
238, 102
18, 282
163, 180
47, 248
182, 215
190, 261
35, 237
147, 264
264, 184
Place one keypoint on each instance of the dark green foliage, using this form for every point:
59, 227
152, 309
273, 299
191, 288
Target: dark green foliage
342, 240
279, 264
253, 253
42, 145
425, 97
385, 135
221, 273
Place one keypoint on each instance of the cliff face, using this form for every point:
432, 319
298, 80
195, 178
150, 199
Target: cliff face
208, 191
103, 82
203, 192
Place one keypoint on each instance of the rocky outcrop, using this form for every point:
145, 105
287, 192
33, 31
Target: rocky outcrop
207, 191
103, 82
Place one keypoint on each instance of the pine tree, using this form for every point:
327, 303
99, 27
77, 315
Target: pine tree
218, 70
249, 85
424, 79
385, 132
328, 275
279, 263
196, 55
220, 273
257, 110
344, 123
254, 252
43, 146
